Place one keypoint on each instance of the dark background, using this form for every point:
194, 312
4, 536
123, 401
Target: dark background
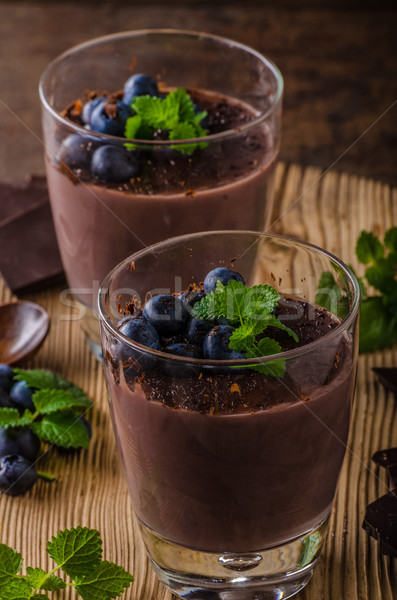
338, 60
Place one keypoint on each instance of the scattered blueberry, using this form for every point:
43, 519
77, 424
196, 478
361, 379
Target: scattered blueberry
166, 313
197, 329
140, 331
216, 344
17, 474
6, 377
19, 441
5, 400
86, 113
220, 274
114, 164
76, 151
139, 85
21, 395
110, 118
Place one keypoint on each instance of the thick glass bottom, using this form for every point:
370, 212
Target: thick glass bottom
270, 574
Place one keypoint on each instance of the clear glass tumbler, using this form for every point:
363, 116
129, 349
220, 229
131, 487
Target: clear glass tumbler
228, 184
233, 472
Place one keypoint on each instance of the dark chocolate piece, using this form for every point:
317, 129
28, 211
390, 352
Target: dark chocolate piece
388, 459
29, 254
387, 377
380, 522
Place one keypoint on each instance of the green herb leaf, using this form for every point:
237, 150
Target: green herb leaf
78, 551
390, 239
329, 295
108, 581
40, 580
368, 248
377, 329
42, 379
50, 401
174, 114
250, 310
10, 563
10, 417
62, 429
16, 589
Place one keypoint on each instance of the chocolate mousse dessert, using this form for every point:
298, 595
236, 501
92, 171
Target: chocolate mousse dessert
223, 451
111, 197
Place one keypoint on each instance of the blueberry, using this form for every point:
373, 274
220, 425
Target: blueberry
76, 151
6, 377
186, 349
19, 441
21, 395
5, 400
139, 85
114, 164
110, 118
220, 274
134, 360
216, 344
166, 313
17, 474
197, 329
88, 108
203, 122
140, 331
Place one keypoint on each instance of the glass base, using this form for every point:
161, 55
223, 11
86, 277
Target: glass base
270, 574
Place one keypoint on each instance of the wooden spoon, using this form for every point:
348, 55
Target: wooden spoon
23, 328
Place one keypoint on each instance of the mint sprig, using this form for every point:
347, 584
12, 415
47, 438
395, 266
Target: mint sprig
174, 114
378, 312
251, 311
78, 553
58, 404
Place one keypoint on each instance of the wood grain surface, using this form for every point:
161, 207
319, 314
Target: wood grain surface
328, 209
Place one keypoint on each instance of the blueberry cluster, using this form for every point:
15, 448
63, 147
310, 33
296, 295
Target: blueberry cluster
20, 447
107, 162
166, 324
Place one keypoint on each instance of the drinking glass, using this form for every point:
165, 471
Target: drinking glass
228, 184
232, 467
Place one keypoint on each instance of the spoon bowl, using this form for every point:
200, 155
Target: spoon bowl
23, 328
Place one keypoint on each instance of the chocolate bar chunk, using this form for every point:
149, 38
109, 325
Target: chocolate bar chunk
29, 255
380, 522
387, 377
388, 459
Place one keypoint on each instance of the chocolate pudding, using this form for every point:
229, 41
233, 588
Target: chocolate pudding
226, 185
233, 460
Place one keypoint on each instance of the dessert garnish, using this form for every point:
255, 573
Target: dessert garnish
78, 552
175, 116
36, 405
380, 521
378, 313
249, 312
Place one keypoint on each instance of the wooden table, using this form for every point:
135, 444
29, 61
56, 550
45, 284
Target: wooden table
328, 209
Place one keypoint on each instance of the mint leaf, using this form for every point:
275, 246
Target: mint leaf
329, 295
108, 581
368, 248
390, 239
43, 379
16, 589
266, 347
377, 329
10, 417
62, 429
381, 276
10, 563
77, 551
40, 580
47, 401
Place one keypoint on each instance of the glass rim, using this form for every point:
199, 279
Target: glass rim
204, 362
262, 117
